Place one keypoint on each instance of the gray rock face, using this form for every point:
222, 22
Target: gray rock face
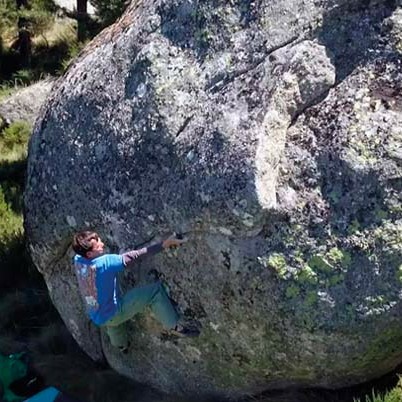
269, 132
25, 104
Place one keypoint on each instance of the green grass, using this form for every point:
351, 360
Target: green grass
13, 151
10, 217
394, 395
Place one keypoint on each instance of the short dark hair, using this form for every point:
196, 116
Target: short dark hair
82, 242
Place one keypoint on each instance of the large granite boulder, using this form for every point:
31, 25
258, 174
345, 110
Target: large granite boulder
269, 132
25, 103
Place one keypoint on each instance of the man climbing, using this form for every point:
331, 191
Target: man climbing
97, 273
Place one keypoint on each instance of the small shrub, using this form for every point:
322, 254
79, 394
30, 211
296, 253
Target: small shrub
12, 194
17, 134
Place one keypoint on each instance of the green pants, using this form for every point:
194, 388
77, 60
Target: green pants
134, 302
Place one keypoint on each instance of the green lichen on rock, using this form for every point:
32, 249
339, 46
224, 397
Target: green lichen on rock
331, 260
307, 275
336, 279
390, 235
292, 291
399, 273
338, 256
320, 263
277, 262
218, 359
238, 367
311, 298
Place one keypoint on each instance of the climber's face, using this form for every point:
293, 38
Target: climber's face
98, 248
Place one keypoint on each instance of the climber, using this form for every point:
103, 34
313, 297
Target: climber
97, 272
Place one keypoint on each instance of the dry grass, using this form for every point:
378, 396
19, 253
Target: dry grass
62, 28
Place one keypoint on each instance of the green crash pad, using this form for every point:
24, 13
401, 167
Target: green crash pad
12, 368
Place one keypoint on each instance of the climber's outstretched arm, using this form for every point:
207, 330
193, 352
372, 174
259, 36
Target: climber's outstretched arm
131, 256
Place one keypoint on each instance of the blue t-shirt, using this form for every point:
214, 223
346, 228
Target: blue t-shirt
97, 280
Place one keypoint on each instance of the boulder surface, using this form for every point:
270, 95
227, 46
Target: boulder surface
270, 133
25, 103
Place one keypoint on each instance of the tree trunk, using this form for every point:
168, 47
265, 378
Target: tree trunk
82, 19
25, 47
23, 44
22, 3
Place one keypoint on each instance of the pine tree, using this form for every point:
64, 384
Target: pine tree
109, 10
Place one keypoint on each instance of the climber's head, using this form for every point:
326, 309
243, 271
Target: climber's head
88, 244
